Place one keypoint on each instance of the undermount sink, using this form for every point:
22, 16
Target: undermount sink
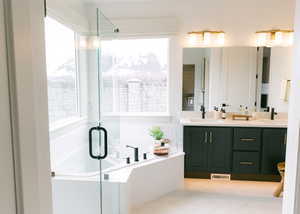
199, 120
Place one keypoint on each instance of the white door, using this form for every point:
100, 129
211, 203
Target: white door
7, 186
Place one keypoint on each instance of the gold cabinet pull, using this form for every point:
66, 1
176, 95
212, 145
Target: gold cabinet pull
210, 137
205, 137
246, 163
285, 138
248, 139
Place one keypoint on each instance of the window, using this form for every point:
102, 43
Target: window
61, 71
135, 75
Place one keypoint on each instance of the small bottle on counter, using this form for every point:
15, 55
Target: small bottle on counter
216, 113
223, 113
246, 110
241, 109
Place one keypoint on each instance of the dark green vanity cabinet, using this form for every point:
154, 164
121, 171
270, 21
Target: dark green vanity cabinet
208, 149
195, 145
243, 152
273, 149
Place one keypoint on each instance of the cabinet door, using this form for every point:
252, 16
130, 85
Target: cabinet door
195, 147
273, 150
220, 150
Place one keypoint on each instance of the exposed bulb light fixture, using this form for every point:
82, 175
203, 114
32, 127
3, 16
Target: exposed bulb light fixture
272, 38
206, 38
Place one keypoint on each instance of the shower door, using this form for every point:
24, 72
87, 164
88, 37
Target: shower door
104, 137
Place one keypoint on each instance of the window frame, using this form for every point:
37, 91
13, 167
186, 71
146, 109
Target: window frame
167, 113
79, 117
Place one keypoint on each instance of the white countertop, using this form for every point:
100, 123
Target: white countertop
234, 123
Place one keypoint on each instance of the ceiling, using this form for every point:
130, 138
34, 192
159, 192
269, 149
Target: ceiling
237, 17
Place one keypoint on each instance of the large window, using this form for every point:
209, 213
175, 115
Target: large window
61, 71
135, 75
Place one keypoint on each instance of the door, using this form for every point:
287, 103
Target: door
108, 92
273, 152
7, 184
196, 149
220, 150
84, 136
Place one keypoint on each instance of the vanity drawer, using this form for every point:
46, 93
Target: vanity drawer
247, 139
246, 162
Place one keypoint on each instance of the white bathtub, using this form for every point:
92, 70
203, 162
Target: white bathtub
127, 187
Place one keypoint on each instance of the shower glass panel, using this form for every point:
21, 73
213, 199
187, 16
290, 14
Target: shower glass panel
84, 138
110, 192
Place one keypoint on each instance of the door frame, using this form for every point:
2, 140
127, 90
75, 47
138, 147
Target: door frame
24, 26
7, 185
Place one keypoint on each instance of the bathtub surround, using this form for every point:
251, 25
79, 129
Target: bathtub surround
126, 188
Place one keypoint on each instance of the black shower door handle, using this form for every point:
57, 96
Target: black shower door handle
98, 129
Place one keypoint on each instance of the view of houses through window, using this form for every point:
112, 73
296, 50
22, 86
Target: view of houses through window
135, 75
61, 71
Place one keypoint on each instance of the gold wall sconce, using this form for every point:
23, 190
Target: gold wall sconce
206, 38
271, 38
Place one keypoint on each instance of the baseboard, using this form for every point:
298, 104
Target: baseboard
245, 177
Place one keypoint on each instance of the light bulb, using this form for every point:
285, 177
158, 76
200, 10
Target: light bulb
261, 39
221, 38
206, 38
278, 38
290, 39
192, 39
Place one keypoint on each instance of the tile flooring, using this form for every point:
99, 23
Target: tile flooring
201, 196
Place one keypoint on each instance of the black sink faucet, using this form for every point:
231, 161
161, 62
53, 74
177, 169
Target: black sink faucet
136, 152
202, 109
273, 113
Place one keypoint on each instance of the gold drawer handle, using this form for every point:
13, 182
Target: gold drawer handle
246, 163
248, 139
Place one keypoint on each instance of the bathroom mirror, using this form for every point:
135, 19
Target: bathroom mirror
253, 77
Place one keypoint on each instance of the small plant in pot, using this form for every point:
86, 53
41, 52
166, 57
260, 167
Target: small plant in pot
160, 144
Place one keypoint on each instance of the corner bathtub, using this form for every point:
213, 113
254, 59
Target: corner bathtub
123, 187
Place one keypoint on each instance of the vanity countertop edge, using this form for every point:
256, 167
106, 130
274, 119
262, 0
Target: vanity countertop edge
236, 123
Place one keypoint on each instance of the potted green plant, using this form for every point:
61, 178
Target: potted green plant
156, 133
160, 147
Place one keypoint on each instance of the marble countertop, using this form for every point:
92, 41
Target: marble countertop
267, 123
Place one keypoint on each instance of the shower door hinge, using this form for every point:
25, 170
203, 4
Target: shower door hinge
45, 8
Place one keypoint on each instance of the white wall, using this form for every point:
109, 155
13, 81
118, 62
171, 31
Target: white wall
70, 13
292, 180
280, 69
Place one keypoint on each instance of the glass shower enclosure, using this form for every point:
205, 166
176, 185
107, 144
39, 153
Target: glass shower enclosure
85, 147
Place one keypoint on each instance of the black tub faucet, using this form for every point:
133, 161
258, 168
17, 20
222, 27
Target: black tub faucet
273, 113
136, 152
